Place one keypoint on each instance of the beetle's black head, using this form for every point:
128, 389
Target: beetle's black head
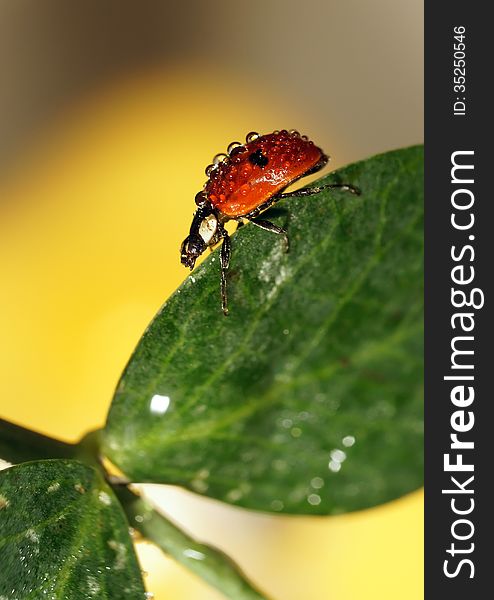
203, 232
192, 247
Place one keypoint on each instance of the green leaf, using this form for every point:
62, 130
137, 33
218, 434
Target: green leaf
63, 535
307, 398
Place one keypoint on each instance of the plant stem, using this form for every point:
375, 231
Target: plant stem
18, 444
205, 561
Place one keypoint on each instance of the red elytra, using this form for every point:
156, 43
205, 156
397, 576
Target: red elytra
240, 184
245, 182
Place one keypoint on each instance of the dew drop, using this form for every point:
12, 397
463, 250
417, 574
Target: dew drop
93, 587
348, 441
199, 485
277, 505
219, 158
195, 554
201, 198
337, 455
317, 483
334, 466
159, 404
32, 536
104, 498
234, 146
234, 495
314, 499
251, 136
120, 552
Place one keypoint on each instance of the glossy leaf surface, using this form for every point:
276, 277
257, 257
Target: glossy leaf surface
63, 535
307, 398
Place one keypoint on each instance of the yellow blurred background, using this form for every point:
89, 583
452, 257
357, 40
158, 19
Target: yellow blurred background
109, 112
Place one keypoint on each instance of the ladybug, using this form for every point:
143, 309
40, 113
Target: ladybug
244, 183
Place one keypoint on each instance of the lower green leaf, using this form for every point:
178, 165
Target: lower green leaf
63, 535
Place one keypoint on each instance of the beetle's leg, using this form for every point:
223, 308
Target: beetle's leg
239, 225
315, 190
268, 226
225, 253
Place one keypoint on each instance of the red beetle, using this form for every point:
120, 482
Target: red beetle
245, 182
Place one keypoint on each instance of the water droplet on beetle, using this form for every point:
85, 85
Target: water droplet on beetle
234, 146
209, 169
219, 158
251, 136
